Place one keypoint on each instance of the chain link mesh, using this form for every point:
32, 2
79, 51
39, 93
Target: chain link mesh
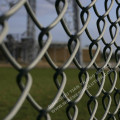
84, 76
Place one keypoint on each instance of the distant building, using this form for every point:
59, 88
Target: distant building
59, 53
20, 49
23, 51
28, 48
86, 56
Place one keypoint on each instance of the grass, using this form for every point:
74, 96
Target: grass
43, 91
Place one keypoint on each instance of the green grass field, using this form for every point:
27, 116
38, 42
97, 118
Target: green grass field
43, 91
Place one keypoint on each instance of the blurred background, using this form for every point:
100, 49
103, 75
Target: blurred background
22, 38
22, 42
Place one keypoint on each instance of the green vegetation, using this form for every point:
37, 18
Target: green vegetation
43, 91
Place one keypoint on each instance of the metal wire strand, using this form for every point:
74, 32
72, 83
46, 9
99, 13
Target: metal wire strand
113, 73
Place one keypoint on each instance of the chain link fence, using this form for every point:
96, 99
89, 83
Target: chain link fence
84, 76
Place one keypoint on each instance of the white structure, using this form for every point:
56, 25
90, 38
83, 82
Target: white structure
29, 41
72, 17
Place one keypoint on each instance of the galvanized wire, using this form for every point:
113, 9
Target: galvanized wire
84, 76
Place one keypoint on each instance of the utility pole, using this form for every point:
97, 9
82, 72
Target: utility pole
72, 18
30, 24
29, 41
76, 21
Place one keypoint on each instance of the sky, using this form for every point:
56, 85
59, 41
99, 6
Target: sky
46, 13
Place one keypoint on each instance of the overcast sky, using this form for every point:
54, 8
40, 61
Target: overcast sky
46, 14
